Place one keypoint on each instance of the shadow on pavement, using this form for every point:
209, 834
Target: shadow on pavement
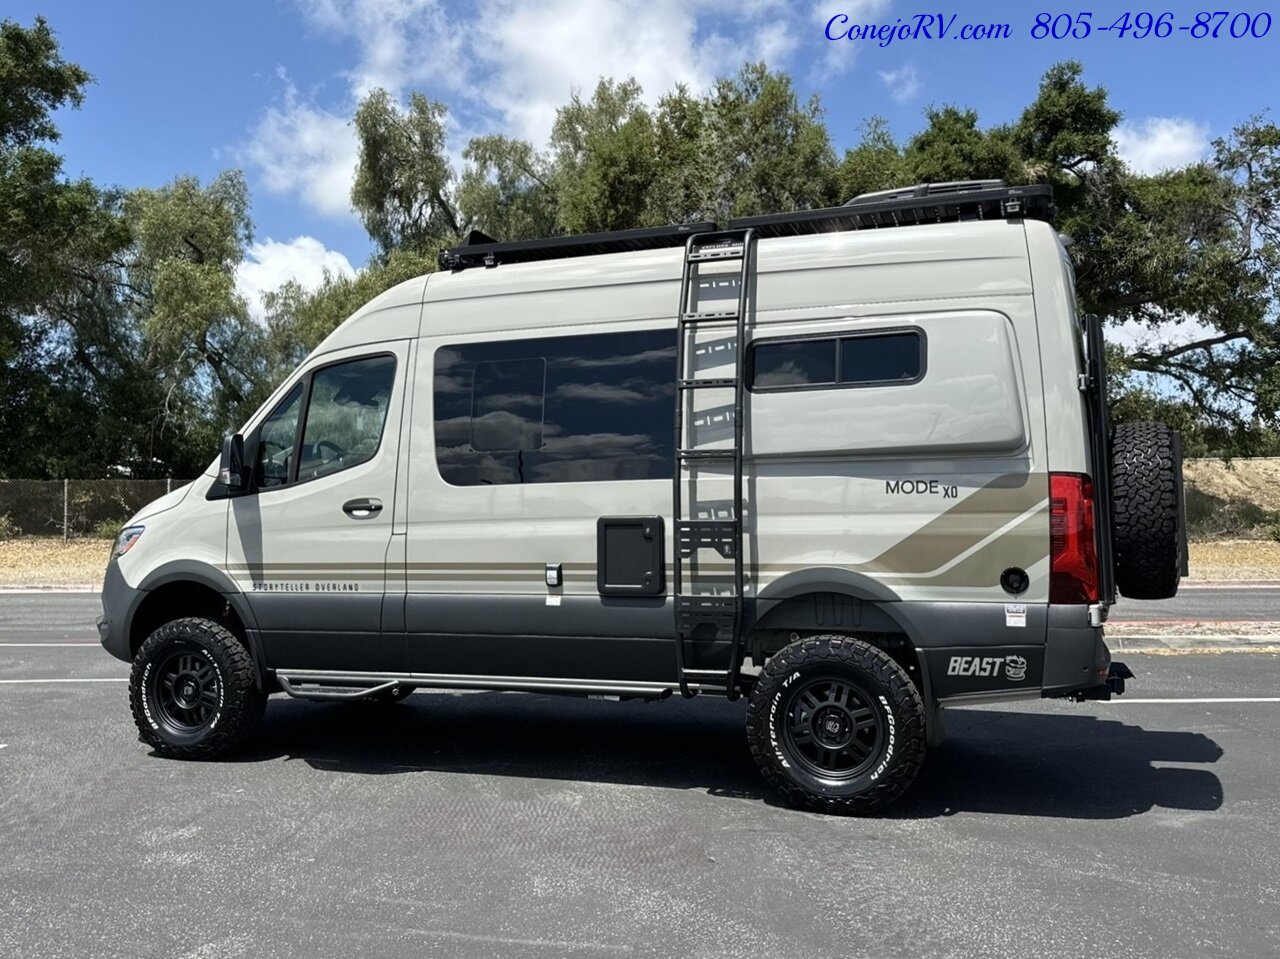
1014, 763
1066, 766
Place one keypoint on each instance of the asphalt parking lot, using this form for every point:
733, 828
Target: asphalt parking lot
488, 824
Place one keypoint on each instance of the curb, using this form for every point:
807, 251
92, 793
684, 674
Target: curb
1204, 643
72, 588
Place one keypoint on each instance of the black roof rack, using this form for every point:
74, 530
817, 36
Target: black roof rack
912, 206
481, 250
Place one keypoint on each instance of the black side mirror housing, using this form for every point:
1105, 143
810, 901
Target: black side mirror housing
231, 471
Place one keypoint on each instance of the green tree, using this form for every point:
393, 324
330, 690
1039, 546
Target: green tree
404, 185
772, 151
53, 234
605, 159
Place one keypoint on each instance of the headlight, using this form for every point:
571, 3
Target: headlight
128, 536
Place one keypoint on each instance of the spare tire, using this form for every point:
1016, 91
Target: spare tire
1147, 534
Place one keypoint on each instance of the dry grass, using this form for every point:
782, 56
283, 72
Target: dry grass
1239, 499
1256, 480
48, 561
1235, 560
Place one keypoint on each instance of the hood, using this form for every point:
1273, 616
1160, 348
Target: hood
166, 502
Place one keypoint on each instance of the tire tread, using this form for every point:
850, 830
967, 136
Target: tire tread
244, 702
903, 696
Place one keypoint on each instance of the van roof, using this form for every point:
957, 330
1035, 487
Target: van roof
962, 260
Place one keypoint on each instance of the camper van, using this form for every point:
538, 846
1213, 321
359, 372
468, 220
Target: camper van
852, 464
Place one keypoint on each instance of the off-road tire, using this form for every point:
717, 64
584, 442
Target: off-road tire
875, 682
205, 655
1146, 481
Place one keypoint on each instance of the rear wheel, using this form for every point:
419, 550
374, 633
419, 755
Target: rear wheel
1146, 471
193, 691
836, 725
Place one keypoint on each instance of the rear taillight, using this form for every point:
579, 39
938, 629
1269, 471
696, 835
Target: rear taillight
1073, 555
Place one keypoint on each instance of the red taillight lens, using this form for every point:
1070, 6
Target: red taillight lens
1073, 555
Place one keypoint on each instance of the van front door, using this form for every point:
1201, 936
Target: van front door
308, 544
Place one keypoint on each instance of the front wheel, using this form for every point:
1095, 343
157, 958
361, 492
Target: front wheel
836, 725
193, 691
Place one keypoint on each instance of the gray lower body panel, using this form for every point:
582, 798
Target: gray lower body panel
583, 637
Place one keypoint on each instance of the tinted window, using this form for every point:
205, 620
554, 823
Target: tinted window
795, 363
867, 358
556, 409
873, 359
507, 402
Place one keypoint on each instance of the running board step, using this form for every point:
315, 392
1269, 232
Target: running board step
312, 690
307, 683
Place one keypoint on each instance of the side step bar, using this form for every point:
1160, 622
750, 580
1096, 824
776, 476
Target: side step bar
336, 691
339, 684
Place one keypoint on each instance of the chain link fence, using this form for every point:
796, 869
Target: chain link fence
1239, 499
74, 508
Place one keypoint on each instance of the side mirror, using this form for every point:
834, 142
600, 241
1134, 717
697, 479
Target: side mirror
231, 472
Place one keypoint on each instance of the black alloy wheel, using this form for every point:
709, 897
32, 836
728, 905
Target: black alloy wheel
833, 729
184, 691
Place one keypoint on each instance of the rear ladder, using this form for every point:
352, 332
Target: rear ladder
709, 623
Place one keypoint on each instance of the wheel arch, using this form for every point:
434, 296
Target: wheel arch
833, 600
187, 588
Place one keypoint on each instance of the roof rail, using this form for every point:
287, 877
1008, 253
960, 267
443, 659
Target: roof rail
912, 206
481, 250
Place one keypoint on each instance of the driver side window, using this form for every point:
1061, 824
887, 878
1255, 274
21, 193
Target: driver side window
275, 441
345, 415
346, 409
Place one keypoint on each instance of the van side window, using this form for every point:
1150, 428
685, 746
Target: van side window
556, 409
859, 359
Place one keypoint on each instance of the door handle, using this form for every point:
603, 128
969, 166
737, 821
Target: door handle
362, 508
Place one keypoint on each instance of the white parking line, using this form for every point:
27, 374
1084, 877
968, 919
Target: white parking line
1125, 701
39, 645
28, 682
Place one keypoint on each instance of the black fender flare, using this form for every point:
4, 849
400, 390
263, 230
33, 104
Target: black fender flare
211, 577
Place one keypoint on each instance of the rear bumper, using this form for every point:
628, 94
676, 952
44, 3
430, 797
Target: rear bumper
1075, 655
988, 653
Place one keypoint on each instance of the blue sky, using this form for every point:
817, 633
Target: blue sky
270, 86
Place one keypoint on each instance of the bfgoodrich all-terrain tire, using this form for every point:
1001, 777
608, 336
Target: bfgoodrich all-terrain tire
836, 725
1146, 471
193, 691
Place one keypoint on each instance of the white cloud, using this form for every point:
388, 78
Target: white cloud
299, 148
401, 42
904, 83
533, 56
1161, 143
1133, 335
840, 55
509, 64
270, 264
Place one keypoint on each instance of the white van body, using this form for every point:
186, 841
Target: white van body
891, 511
